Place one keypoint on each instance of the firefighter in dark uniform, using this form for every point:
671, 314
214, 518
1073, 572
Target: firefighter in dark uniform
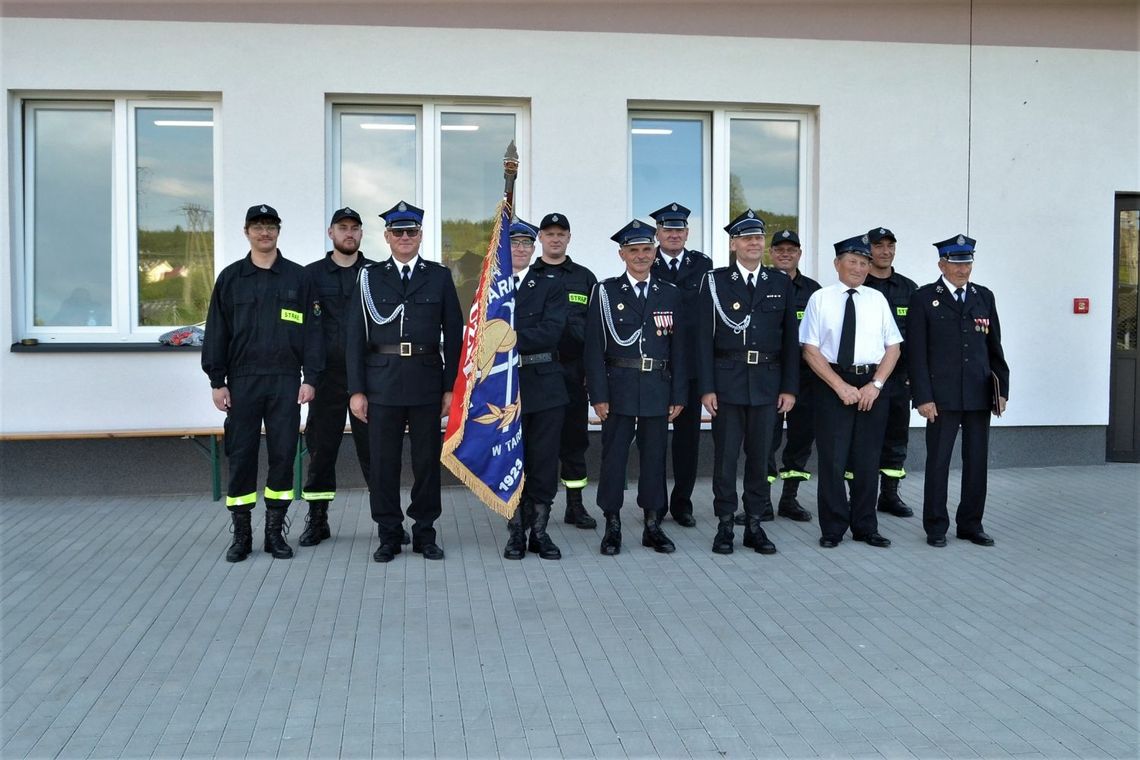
955, 345
541, 309
785, 252
749, 359
332, 280
578, 282
898, 291
400, 376
637, 380
851, 342
685, 269
261, 334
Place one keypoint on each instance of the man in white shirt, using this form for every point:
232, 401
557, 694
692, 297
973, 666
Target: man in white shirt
850, 340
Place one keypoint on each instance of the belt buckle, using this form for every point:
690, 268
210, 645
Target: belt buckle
646, 364
861, 369
405, 349
753, 357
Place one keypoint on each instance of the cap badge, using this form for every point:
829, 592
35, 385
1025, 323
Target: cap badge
882, 231
264, 210
864, 240
402, 207
554, 218
961, 240
750, 214
786, 234
347, 210
635, 224
673, 207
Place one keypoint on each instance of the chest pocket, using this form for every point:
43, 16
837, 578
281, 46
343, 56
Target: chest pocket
772, 302
289, 308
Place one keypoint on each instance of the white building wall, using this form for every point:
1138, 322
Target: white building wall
1053, 137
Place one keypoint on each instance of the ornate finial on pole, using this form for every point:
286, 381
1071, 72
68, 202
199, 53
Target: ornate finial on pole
510, 171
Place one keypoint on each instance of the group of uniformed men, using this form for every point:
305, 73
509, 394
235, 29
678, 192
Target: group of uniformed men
757, 348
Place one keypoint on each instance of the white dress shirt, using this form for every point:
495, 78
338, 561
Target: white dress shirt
875, 327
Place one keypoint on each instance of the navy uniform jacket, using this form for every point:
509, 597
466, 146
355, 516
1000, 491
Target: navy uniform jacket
430, 307
898, 290
690, 273
771, 331
541, 310
954, 349
332, 287
261, 322
630, 391
579, 282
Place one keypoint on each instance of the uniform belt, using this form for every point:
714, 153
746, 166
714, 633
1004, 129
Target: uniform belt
749, 357
406, 349
856, 369
645, 363
527, 359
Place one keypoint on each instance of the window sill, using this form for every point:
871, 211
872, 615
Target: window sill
97, 348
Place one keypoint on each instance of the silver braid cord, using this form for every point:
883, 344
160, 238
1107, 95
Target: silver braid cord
736, 327
373, 312
605, 302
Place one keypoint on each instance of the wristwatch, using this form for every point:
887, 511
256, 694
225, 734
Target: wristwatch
877, 383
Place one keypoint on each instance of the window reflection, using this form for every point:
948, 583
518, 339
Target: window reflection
1127, 279
72, 265
668, 165
471, 185
174, 177
378, 158
764, 168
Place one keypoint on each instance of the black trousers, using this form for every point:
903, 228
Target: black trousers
751, 426
686, 444
574, 439
940, 436
324, 431
386, 443
848, 438
254, 400
618, 432
801, 430
541, 431
896, 393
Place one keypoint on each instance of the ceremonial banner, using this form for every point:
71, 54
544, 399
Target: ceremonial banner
483, 443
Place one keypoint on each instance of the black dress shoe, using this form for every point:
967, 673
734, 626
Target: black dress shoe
828, 543
722, 542
795, 512
386, 553
611, 539
653, 537
430, 551
685, 520
939, 541
897, 508
756, 539
981, 538
874, 539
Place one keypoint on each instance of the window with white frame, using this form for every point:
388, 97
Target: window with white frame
719, 162
117, 224
445, 158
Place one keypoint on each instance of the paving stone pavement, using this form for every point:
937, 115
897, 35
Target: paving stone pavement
125, 634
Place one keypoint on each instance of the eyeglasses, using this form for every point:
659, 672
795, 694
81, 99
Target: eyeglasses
522, 243
264, 227
410, 233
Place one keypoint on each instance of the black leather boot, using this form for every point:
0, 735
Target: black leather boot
756, 539
654, 537
889, 500
722, 543
789, 505
316, 524
516, 543
540, 541
242, 544
576, 513
275, 533
611, 540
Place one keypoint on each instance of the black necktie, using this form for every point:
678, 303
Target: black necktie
960, 295
407, 274
641, 292
847, 337
674, 265
751, 284
516, 282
